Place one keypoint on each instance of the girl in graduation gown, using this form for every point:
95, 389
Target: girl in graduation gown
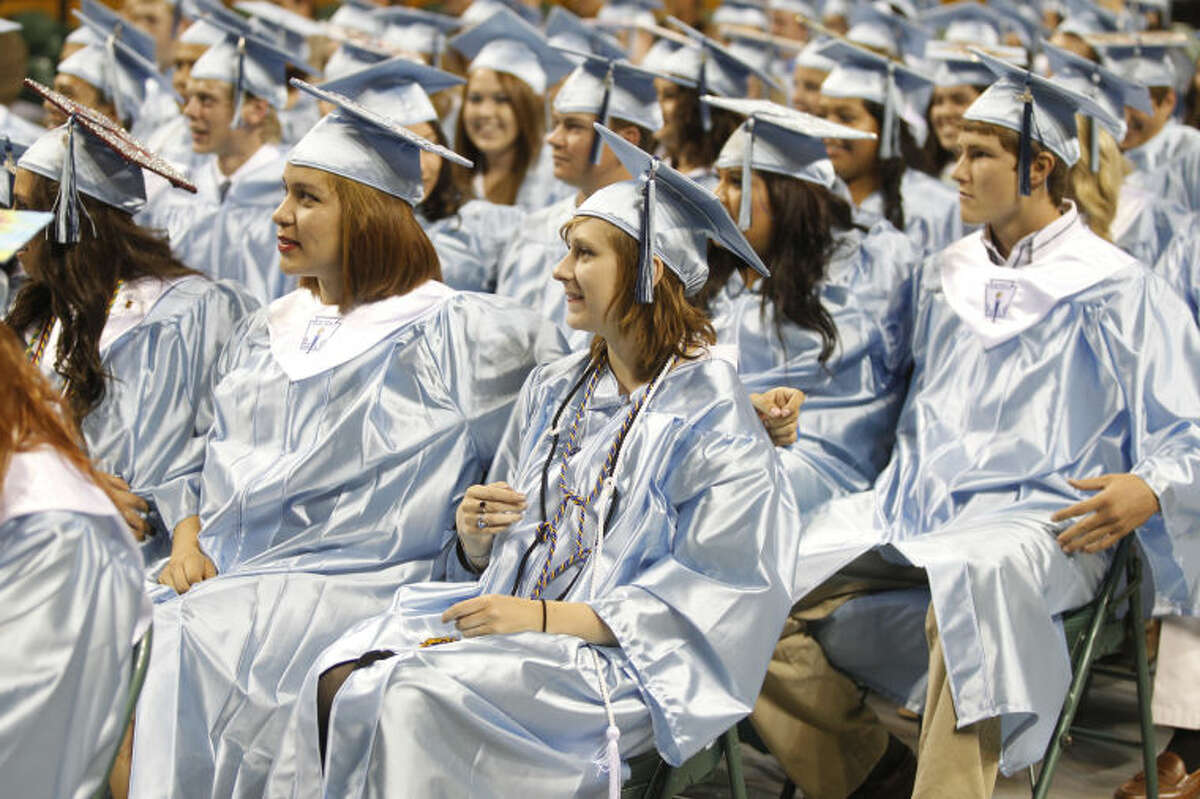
347, 418
71, 601
637, 504
832, 320
877, 173
503, 117
126, 331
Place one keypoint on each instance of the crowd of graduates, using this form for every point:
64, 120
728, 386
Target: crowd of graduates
464, 402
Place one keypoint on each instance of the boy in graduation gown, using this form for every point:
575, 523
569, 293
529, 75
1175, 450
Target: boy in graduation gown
1051, 412
609, 91
234, 93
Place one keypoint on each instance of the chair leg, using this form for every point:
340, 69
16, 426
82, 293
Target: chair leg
1136, 622
733, 762
1082, 666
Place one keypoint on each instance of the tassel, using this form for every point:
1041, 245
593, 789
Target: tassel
1025, 149
110, 49
889, 144
239, 82
702, 89
644, 292
10, 172
435, 58
747, 177
66, 204
614, 761
602, 116
1094, 146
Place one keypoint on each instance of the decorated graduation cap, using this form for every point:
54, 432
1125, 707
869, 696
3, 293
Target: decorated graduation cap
358, 143
1038, 109
248, 62
568, 32
967, 21
669, 215
882, 29
712, 68
902, 91
775, 138
610, 88
418, 31
90, 154
749, 13
506, 43
1138, 61
396, 88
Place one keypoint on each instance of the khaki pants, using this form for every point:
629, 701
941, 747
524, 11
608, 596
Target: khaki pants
815, 720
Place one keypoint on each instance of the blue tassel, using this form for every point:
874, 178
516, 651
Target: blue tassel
239, 82
66, 204
436, 57
1094, 155
702, 89
602, 116
889, 144
1025, 150
644, 289
10, 171
747, 177
110, 49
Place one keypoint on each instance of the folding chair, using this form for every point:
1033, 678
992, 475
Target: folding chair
1096, 631
652, 778
141, 660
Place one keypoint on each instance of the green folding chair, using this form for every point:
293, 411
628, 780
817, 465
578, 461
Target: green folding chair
653, 778
141, 660
1095, 631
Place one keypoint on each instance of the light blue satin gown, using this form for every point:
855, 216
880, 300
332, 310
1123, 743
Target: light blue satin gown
931, 214
1168, 166
71, 610
471, 242
692, 580
319, 492
540, 188
986, 442
1145, 224
852, 401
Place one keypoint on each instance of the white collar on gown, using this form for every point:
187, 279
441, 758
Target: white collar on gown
43, 480
309, 337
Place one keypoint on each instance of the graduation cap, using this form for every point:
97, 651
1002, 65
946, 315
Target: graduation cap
248, 62
566, 31
1102, 85
760, 49
16, 136
120, 72
18, 227
967, 21
1084, 16
712, 67
875, 27
748, 13
1038, 109
350, 57
902, 91
108, 21
506, 43
481, 10
9, 26
415, 30
669, 215
201, 31
666, 42
357, 16
396, 88
90, 154
610, 88
1138, 60
775, 138
358, 143
802, 8
955, 65
811, 57
289, 29
1023, 20
629, 13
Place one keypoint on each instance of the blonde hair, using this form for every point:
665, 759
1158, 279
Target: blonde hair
1097, 193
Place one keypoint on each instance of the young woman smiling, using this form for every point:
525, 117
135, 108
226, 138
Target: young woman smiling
638, 517
348, 418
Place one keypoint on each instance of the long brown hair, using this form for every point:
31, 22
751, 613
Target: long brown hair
384, 250
669, 326
32, 413
75, 285
529, 110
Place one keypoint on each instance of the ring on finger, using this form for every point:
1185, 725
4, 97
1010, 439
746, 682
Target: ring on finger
481, 522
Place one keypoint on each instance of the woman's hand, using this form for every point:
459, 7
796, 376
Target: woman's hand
779, 411
497, 506
188, 564
132, 506
495, 613
1125, 503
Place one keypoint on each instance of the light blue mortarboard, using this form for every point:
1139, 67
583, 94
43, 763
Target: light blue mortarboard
778, 139
91, 155
566, 31
628, 13
415, 30
801, 7
289, 29
712, 68
884, 30
1024, 20
1147, 64
666, 42
16, 136
967, 21
506, 43
106, 21
396, 88
9, 26
761, 49
955, 65
1084, 17
1108, 89
17, 228
1038, 109
201, 31
811, 58
669, 215
357, 143
902, 91
747, 13
610, 88
350, 57
248, 62
357, 16
481, 10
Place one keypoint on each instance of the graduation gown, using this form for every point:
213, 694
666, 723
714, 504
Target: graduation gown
231, 238
1169, 164
852, 401
1145, 224
931, 216
1076, 366
338, 447
1179, 264
689, 581
540, 188
470, 243
71, 610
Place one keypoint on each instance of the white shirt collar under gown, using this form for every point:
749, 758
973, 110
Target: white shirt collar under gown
309, 337
1000, 298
